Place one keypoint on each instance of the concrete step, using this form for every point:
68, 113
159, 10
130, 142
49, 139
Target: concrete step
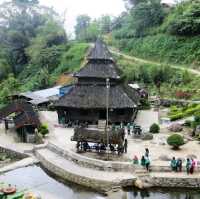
102, 181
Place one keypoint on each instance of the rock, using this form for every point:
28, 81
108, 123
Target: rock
175, 127
139, 184
136, 136
147, 136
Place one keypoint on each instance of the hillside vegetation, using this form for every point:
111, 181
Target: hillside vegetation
163, 80
166, 34
34, 48
35, 51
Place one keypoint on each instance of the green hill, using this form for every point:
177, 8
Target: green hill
152, 31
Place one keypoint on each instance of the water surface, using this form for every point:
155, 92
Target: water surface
35, 179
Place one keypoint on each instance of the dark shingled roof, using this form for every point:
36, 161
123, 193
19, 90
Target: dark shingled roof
25, 114
26, 119
94, 96
100, 51
15, 107
98, 136
99, 70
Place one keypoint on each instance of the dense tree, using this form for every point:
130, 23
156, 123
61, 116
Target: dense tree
46, 48
105, 24
185, 19
19, 22
89, 30
146, 15
82, 24
32, 40
8, 87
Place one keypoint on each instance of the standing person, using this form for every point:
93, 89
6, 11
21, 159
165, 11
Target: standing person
179, 165
188, 165
142, 161
147, 152
192, 166
125, 145
147, 162
173, 164
122, 125
128, 128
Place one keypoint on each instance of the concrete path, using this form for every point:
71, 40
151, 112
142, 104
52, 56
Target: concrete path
10, 139
157, 146
100, 180
146, 118
19, 164
179, 67
173, 174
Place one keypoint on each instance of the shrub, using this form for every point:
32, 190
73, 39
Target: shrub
194, 124
145, 105
188, 123
154, 128
173, 108
177, 116
175, 141
196, 109
43, 130
197, 119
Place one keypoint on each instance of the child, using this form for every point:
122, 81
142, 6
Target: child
143, 161
135, 160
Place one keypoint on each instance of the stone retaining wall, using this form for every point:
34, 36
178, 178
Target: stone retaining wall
178, 182
95, 184
91, 162
152, 179
106, 165
13, 153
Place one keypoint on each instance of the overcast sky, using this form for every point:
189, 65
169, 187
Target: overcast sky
93, 8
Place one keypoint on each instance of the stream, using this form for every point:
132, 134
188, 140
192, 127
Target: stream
35, 179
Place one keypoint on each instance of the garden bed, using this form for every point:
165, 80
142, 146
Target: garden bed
181, 112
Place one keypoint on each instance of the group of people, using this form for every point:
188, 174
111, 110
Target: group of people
131, 128
176, 165
100, 147
145, 160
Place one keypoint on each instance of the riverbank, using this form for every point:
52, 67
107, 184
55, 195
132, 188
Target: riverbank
102, 176
59, 157
109, 176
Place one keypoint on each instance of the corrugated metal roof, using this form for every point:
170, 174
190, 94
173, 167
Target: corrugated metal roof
46, 93
42, 96
38, 101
